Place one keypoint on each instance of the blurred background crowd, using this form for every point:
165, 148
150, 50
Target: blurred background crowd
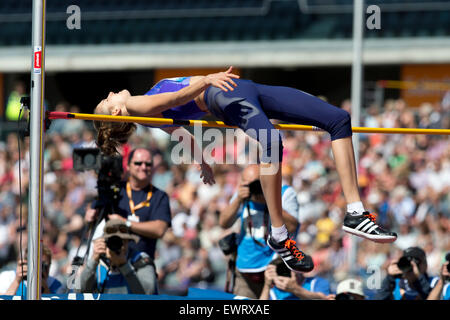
405, 179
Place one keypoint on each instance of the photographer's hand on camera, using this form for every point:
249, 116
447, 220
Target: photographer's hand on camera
406, 277
21, 274
444, 277
393, 270
290, 284
413, 275
117, 259
21, 271
99, 249
228, 214
269, 275
243, 192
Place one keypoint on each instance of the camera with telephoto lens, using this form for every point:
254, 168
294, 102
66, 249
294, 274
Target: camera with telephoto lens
255, 188
404, 263
283, 270
109, 171
229, 243
115, 244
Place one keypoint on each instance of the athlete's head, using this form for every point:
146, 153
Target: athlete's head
114, 104
110, 135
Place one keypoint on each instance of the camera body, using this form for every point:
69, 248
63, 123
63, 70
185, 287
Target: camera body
404, 263
229, 243
255, 188
283, 270
109, 174
115, 244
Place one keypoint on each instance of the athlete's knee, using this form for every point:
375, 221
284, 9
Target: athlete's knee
341, 125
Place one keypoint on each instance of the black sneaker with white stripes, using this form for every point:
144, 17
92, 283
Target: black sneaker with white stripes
293, 258
364, 225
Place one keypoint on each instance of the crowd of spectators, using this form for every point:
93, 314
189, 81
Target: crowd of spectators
405, 179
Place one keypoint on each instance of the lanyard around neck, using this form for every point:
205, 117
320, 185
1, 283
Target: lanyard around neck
146, 202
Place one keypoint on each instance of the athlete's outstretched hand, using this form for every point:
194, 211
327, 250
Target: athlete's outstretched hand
222, 80
206, 174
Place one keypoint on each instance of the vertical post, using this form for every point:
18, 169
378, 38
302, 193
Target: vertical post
37, 113
2, 98
356, 97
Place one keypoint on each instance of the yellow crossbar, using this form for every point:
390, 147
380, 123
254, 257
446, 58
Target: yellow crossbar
221, 124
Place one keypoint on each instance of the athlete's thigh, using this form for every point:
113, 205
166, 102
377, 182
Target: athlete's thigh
296, 106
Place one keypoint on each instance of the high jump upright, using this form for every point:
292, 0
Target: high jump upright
37, 112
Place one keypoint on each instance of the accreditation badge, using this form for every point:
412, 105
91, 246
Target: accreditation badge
133, 218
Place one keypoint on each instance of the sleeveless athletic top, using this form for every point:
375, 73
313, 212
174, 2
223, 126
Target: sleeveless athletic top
186, 111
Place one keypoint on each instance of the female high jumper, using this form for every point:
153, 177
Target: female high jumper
249, 106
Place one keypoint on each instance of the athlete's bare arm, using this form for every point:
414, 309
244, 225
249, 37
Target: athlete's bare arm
155, 104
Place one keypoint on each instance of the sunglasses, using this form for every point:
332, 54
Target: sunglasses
114, 229
139, 163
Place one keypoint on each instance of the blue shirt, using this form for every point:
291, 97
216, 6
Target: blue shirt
446, 292
54, 285
114, 281
313, 284
409, 293
253, 254
158, 209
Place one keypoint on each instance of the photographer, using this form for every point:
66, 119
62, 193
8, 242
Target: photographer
109, 270
141, 206
407, 278
280, 283
49, 284
253, 253
441, 290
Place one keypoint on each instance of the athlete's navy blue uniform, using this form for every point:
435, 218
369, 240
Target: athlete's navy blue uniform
250, 106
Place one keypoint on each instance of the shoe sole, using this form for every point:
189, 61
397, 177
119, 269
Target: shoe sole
298, 271
374, 238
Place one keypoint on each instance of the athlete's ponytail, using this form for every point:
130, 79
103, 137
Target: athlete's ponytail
110, 135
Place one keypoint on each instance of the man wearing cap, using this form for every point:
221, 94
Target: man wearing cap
350, 289
407, 277
111, 270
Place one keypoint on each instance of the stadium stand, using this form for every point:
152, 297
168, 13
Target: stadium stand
216, 20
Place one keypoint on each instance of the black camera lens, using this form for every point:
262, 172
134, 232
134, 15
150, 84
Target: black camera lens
228, 244
255, 188
283, 270
114, 243
404, 264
